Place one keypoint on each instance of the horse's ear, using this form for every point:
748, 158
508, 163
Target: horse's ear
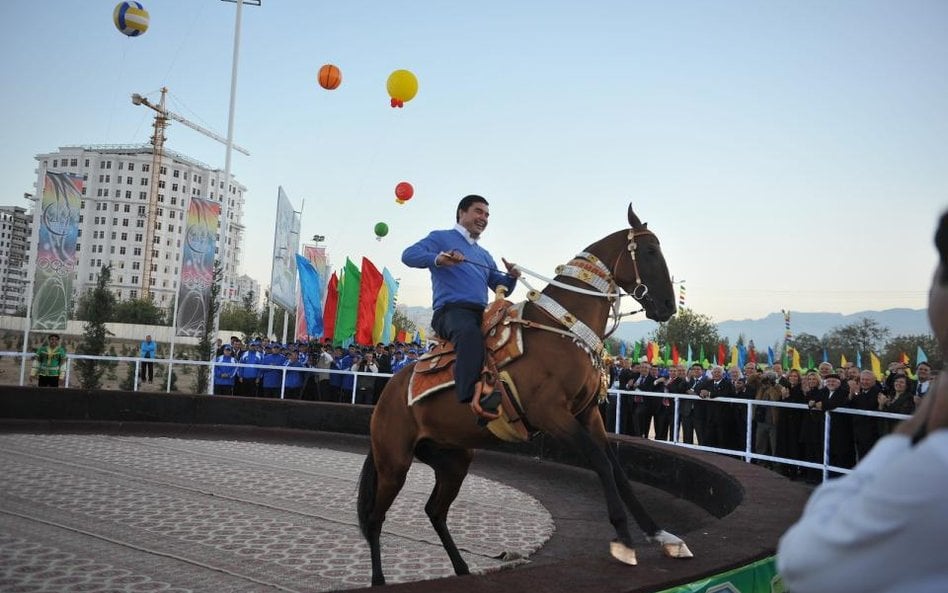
634, 221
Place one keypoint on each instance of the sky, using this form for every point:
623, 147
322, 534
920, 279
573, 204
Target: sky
789, 154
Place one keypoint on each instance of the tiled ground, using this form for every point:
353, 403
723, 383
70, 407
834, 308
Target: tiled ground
98, 513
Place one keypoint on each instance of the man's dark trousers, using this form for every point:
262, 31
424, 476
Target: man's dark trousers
461, 324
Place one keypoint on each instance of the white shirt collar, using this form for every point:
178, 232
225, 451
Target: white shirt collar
464, 233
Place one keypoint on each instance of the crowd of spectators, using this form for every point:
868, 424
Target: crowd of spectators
776, 431
239, 369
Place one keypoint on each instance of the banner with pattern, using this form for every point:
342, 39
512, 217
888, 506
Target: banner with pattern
286, 243
197, 267
58, 227
317, 256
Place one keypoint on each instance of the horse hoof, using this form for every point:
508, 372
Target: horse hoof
677, 550
623, 553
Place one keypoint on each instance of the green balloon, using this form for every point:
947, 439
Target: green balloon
381, 229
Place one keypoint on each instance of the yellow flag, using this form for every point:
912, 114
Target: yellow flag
796, 360
876, 366
842, 360
735, 357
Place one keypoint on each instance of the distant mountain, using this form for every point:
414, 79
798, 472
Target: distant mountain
766, 331
770, 329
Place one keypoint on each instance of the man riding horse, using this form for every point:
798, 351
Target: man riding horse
460, 293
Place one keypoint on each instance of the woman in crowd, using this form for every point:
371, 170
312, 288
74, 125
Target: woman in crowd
899, 401
811, 431
790, 424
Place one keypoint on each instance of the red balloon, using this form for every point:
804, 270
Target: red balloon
404, 191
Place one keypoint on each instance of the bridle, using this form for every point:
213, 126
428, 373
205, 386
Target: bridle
590, 270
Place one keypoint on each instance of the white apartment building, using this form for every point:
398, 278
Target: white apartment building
114, 214
247, 285
15, 227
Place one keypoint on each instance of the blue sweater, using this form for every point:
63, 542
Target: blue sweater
459, 283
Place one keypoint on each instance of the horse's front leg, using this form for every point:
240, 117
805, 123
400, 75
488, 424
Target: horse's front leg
672, 545
576, 435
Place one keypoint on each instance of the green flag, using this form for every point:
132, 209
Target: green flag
348, 308
809, 362
636, 352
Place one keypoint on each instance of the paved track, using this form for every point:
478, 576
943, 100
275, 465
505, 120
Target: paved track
250, 511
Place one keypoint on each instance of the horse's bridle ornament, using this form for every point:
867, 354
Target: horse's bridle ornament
590, 270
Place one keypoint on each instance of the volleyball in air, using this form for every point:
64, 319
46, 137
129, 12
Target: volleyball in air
130, 18
330, 77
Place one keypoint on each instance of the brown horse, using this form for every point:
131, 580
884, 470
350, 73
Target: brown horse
558, 398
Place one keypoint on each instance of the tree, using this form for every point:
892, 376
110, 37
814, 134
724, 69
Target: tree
910, 345
402, 323
95, 307
236, 317
139, 311
809, 346
205, 347
263, 325
865, 335
689, 328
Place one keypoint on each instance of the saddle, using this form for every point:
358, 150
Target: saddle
503, 342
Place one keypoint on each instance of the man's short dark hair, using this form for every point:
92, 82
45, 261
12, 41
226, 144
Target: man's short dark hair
924, 363
466, 202
51, 336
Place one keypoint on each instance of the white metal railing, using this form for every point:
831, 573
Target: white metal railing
748, 453
620, 395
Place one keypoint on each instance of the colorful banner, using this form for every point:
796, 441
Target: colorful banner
286, 242
197, 267
316, 256
347, 310
310, 290
56, 251
759, 577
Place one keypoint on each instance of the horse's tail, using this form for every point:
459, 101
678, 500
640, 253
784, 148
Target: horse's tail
368, 484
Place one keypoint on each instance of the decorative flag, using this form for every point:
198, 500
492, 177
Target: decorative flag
310, 291
752, 355
701, 356
826, 357
58, 227
622, 348
197, 267
741, 355
688, 357
721, 357
675, 358
331, 307
796, 359
735, 356
842, 360
904, 359
770, 356
787, 334
401, 336
876, 366
636, 353
369, 286
317, 257
858, 360
681, 296
809, 362
666, 356
348, 309
651, 349
920, 356
385, 309
785, 359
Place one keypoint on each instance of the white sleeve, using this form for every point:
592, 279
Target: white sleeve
880, 528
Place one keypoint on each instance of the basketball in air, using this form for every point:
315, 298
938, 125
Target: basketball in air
330, 77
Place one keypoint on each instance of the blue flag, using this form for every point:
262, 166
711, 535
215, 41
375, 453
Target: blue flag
826, 357
920, 356
310, 289
622, 348
770, 356
858, 360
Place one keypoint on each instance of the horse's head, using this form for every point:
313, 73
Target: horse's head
641, 271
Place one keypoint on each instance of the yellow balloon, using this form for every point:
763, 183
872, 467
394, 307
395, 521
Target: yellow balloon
402, 85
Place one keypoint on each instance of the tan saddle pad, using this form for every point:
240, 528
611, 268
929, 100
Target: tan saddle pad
503, 340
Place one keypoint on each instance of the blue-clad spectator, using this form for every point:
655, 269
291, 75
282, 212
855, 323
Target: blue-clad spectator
248, 377
273, 378
295, 380
149, 350
398, 361
348, 379
225, 371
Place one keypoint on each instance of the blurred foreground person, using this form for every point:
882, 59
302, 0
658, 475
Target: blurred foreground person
882, 527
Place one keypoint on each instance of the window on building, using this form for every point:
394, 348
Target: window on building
78, 246
131, 166
170, 228
112, 249
115, 207
142, 195
134, 279
141, 211
122, 250
136, 251
146, 167
121, 165
114, 234
73, 162
133, 294
127, 208
176, 173
86, 163
138, 237
174, 200
140, 223
128, 196
125, 236
161, 198
108, 164
161, 182
128, 181
144, 181
125, 222
136, 265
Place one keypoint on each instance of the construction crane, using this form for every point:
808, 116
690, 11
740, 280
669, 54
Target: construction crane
158, 141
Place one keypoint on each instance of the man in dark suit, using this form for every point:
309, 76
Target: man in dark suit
719, 427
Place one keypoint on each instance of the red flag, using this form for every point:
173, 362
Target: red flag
752, 355
904, 359
368, 295
675, 356
401, 336
722, 355
329, 309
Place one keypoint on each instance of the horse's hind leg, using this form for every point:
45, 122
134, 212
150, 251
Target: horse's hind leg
450, 467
